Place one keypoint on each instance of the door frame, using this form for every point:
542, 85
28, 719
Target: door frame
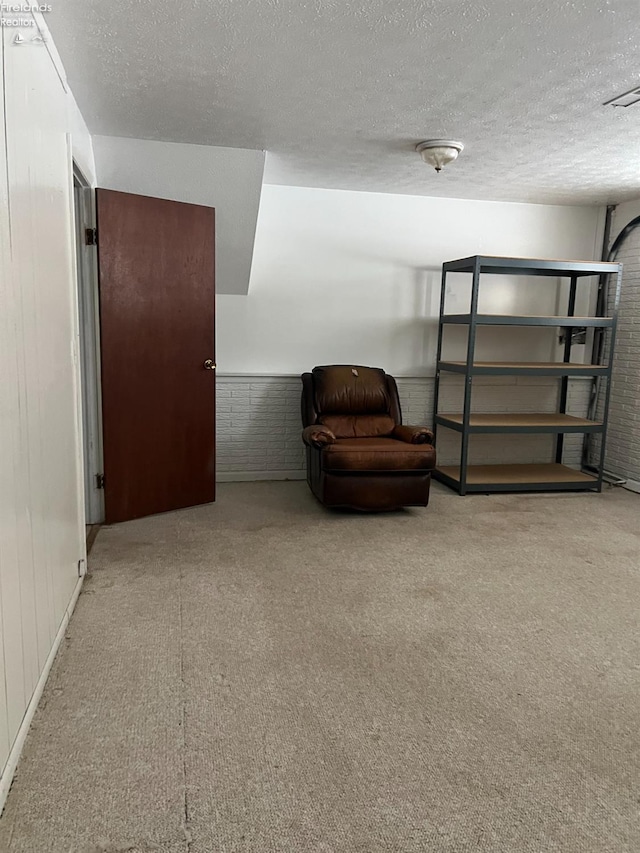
89, 328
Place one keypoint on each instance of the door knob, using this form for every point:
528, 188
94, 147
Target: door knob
209, 364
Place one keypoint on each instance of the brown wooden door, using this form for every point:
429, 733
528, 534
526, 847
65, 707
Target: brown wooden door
157, 298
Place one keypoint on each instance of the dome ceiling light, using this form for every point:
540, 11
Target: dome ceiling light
439, 152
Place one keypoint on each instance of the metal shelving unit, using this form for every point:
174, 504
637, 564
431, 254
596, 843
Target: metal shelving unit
553, 476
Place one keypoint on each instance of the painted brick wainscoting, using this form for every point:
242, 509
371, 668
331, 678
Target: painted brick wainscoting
259, 426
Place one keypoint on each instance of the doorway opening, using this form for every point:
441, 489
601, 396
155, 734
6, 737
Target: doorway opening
89, 324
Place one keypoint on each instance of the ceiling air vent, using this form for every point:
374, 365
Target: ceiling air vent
627, 99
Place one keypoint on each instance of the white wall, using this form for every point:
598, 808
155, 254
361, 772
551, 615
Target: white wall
41, 509
623, 214
229, 179
355, 277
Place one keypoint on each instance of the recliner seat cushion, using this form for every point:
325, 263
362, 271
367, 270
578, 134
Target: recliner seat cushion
358, 426
351, 390
377, 454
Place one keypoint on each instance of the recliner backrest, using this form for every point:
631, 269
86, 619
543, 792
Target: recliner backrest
350, 390
353, 401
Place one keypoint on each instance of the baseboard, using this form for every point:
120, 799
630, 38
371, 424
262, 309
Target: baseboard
14, 756
250, 476
625, 482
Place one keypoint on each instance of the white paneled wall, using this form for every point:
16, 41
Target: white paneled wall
41, 512
7, 392
259, 423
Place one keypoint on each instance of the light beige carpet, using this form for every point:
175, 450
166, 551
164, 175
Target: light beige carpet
263, 675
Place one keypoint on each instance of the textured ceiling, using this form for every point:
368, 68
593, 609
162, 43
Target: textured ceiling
339, 92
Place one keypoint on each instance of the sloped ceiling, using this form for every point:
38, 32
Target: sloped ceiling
228, 179
339, 92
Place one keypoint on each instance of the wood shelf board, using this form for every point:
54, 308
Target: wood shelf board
530, 365
495, 475
568, 261
511, 419
499, 264
527, 319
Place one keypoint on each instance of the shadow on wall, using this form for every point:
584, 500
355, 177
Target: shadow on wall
416, 339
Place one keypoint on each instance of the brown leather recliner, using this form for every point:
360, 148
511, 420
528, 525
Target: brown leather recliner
358, 453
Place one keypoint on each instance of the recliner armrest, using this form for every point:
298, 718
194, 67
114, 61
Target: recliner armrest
317, 435
412, 434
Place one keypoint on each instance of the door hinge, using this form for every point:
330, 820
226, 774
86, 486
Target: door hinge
99, 481
91, 236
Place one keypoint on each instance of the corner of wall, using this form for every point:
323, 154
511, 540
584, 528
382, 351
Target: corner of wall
81, 142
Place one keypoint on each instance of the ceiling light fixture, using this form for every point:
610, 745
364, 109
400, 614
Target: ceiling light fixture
439, 152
